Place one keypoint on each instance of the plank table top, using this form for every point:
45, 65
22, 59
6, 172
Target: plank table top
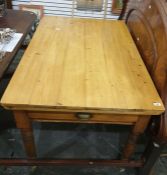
81, 65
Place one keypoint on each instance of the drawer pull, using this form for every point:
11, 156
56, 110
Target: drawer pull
83, 116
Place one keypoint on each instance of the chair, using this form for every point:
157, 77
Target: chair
147, 24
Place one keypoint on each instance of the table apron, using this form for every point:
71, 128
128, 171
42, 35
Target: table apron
82, 117
24, 123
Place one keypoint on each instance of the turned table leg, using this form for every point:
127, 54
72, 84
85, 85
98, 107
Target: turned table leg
138, 129
24, 124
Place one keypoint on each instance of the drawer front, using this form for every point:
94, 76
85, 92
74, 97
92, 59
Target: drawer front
83, 117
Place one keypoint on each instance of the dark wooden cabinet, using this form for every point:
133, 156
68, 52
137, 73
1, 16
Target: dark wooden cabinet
9, 4
21, 21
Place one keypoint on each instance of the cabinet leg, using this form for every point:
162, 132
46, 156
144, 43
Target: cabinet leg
24, 124
138, 129
151, 155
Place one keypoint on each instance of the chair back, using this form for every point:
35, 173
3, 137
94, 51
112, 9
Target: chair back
147, 23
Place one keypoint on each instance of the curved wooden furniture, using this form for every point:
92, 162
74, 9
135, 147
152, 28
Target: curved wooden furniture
147, 23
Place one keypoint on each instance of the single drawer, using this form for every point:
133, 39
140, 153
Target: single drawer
83, 117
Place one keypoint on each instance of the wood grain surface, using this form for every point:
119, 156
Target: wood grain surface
82, 65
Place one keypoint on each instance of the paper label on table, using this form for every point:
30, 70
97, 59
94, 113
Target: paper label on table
157, 104
12, 44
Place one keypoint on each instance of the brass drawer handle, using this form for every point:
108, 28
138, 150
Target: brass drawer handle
83, 116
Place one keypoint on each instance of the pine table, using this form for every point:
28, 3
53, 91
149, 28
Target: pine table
82, 71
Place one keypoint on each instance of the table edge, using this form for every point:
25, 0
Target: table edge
84, 109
